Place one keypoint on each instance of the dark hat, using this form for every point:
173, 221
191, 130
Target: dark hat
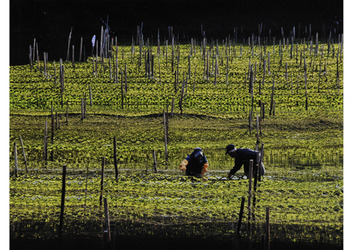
229, 148
197, 152
198, 149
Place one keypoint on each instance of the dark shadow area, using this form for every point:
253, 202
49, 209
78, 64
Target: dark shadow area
158, 244
51, 21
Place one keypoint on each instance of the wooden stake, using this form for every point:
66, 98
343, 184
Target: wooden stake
272, 95
82, 116
24, 153
257, 131
126, 78
102, 177
227, 69
45, 68
172, 106
250, 118
257, 169
62, 80
107, 228
37, 55
116, 63
115, 158
305, 77
182, 96
165, 138
30, 57
16, 160
122, 93
52, 124
261, 159
67, 114
45, 142
62, 198
338, 72
69, 39
81, 48
268, 236
86, 185
90, 95
110, 68
251, 169
240, 217
73, 59
154, 161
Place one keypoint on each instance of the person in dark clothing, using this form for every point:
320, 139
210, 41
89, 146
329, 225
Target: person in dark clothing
195, 164
242, 157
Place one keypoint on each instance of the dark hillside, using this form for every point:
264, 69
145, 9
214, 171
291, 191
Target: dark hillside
50, 21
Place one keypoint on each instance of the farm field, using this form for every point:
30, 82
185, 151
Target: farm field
114, 117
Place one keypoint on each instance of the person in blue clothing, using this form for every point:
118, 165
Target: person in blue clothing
242, 157
195, 164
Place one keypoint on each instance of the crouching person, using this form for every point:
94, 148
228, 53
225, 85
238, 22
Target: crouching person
195, 164
242, 157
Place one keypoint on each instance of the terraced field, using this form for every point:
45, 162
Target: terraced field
193, 95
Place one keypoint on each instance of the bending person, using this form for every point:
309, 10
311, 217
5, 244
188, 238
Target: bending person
242, 157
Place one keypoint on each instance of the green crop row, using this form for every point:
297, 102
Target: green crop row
168, 199
224, 91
